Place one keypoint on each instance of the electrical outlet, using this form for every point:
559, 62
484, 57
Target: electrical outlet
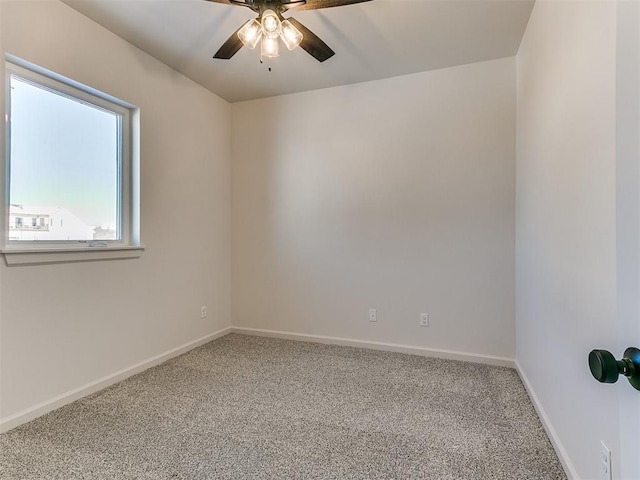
373, 315
203, 311
605, 462
424, 319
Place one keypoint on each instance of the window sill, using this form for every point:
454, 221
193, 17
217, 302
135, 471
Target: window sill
15, 256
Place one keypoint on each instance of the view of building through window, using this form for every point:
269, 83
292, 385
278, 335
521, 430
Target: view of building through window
64, 181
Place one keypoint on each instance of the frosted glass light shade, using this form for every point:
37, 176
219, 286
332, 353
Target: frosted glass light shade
291, 36
270, 47
271, 25
250, 33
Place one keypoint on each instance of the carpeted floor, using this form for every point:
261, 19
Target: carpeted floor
246, 407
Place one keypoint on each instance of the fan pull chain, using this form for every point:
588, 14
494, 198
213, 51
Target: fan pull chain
262, 61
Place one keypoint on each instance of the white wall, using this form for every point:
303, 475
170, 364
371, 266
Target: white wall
64, 326
566, 222
396, 194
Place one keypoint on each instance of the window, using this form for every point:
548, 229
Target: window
69, 179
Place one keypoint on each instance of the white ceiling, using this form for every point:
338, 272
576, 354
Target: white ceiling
372, 40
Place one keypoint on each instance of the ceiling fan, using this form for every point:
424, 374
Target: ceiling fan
270, 26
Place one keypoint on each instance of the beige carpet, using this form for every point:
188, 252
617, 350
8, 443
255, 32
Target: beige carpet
246, 407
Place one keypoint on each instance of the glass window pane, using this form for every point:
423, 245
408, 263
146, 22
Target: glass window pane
64, 173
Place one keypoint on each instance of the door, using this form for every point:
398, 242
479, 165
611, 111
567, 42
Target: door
628, 228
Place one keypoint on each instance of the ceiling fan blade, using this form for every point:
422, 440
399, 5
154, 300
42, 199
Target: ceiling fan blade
230, 47
240, 3
288, 4
317, 4
312, 44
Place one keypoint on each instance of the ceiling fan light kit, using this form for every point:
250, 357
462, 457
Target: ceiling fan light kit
270, 47
269, 31
270, 26
291, 36
250, 34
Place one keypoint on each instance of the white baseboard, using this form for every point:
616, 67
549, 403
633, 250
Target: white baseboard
387, 347
569, 469
32, 413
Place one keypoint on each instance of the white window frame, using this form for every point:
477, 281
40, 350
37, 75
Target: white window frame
40, 251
